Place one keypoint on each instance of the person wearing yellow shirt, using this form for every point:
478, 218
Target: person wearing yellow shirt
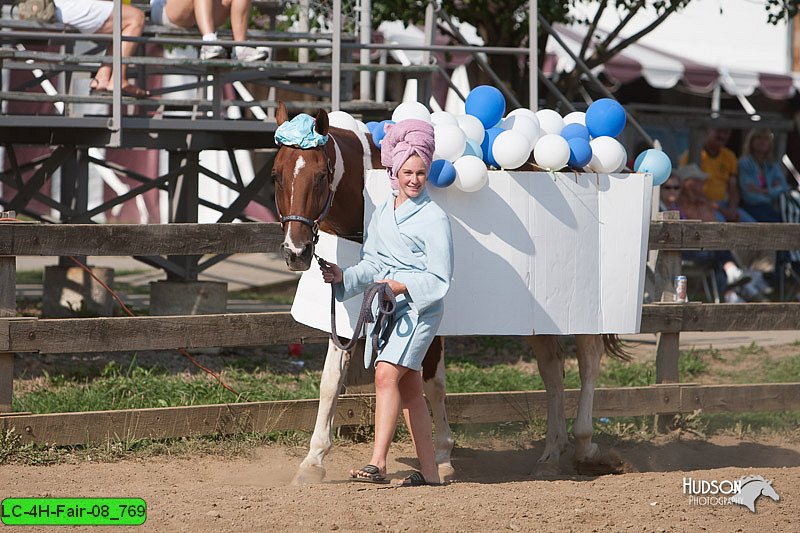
721, 165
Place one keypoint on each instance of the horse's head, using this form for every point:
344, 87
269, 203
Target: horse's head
303, 193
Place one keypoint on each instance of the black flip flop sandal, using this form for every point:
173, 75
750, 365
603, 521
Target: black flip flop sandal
416, 479
374, 473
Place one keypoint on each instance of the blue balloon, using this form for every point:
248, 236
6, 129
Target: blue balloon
605, 117
487, 104
575, 130
654, 162
380, 132
473, 148
371, 125
580, 152
442, 173
486, 146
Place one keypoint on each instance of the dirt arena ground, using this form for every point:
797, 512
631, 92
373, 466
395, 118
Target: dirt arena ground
493, 490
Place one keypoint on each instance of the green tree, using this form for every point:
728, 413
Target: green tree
505, 23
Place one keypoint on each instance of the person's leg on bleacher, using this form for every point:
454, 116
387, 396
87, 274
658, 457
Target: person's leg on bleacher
208, 15
132, 25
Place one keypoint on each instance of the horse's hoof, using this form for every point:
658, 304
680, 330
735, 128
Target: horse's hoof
307, 475
605, 463
545, 470
446, 472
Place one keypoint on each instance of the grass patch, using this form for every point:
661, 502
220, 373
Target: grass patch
30, 277
137, 388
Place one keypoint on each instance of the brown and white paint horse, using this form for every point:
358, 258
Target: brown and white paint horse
321, 189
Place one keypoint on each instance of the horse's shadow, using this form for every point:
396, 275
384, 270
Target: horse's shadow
481, 465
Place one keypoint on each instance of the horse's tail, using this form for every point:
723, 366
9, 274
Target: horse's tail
616, 348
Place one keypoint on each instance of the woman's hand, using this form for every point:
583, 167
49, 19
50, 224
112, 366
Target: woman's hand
397, 287
331, 272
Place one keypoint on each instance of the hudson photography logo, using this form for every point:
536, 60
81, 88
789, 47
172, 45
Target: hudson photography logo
743, 491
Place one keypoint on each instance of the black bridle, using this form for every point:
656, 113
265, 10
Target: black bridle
313, 224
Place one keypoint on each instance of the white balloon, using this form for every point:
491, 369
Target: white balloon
512, 148
472, 126
450, 142
342, 119
550, 121
524, 112
576, 117
551, 152
471, 173
608, 155
443, 117
411, 110
362, 127
523, 124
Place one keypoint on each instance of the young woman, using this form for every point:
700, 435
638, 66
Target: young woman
408, 245
208, 15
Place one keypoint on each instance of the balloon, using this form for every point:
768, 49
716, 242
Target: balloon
450, 142
511, 149
524, 112
472, 126
523, 124
551, 152
486, 103
486, 146
574, 130
411, 110
473, 148
471, 173
580, 152
442, 173
605, 117
443, 117
550, 121
341, 119
380, 132
654, 162
576, 117
608, 155
362, 127
371, 125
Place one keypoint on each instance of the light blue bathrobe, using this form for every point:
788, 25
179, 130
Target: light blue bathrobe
413, 245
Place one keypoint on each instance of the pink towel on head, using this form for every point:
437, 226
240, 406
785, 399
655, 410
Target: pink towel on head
404, 139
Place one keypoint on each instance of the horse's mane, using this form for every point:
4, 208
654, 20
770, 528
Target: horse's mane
747, 479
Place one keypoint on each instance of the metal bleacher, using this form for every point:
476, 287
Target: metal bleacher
45, 102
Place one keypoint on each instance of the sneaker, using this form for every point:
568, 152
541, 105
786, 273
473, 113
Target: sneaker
732, 297
211, 51
248, 53
737, 277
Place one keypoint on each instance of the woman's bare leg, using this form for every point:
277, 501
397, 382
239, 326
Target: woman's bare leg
418, 420
132, 26
387, 409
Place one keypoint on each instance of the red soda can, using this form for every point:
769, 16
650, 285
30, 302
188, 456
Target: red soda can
680, 289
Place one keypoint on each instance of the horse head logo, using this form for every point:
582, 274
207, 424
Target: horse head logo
752, 488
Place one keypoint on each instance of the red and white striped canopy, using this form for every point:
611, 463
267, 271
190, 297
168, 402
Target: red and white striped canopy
663, 70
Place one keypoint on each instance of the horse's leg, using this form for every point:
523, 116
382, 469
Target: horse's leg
551, 367
589, 351
434, 387
311, 469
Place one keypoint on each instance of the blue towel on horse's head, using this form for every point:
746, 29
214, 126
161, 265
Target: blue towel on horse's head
300, 132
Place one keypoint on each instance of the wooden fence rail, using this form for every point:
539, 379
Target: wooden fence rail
165, 332
260, 237
462, 408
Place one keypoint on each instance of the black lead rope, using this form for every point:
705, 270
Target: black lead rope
383, 324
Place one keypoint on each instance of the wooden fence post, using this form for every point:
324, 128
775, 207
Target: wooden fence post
668, 265
8, 308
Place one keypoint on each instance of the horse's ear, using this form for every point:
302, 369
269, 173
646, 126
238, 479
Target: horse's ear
281, 115
322, 124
